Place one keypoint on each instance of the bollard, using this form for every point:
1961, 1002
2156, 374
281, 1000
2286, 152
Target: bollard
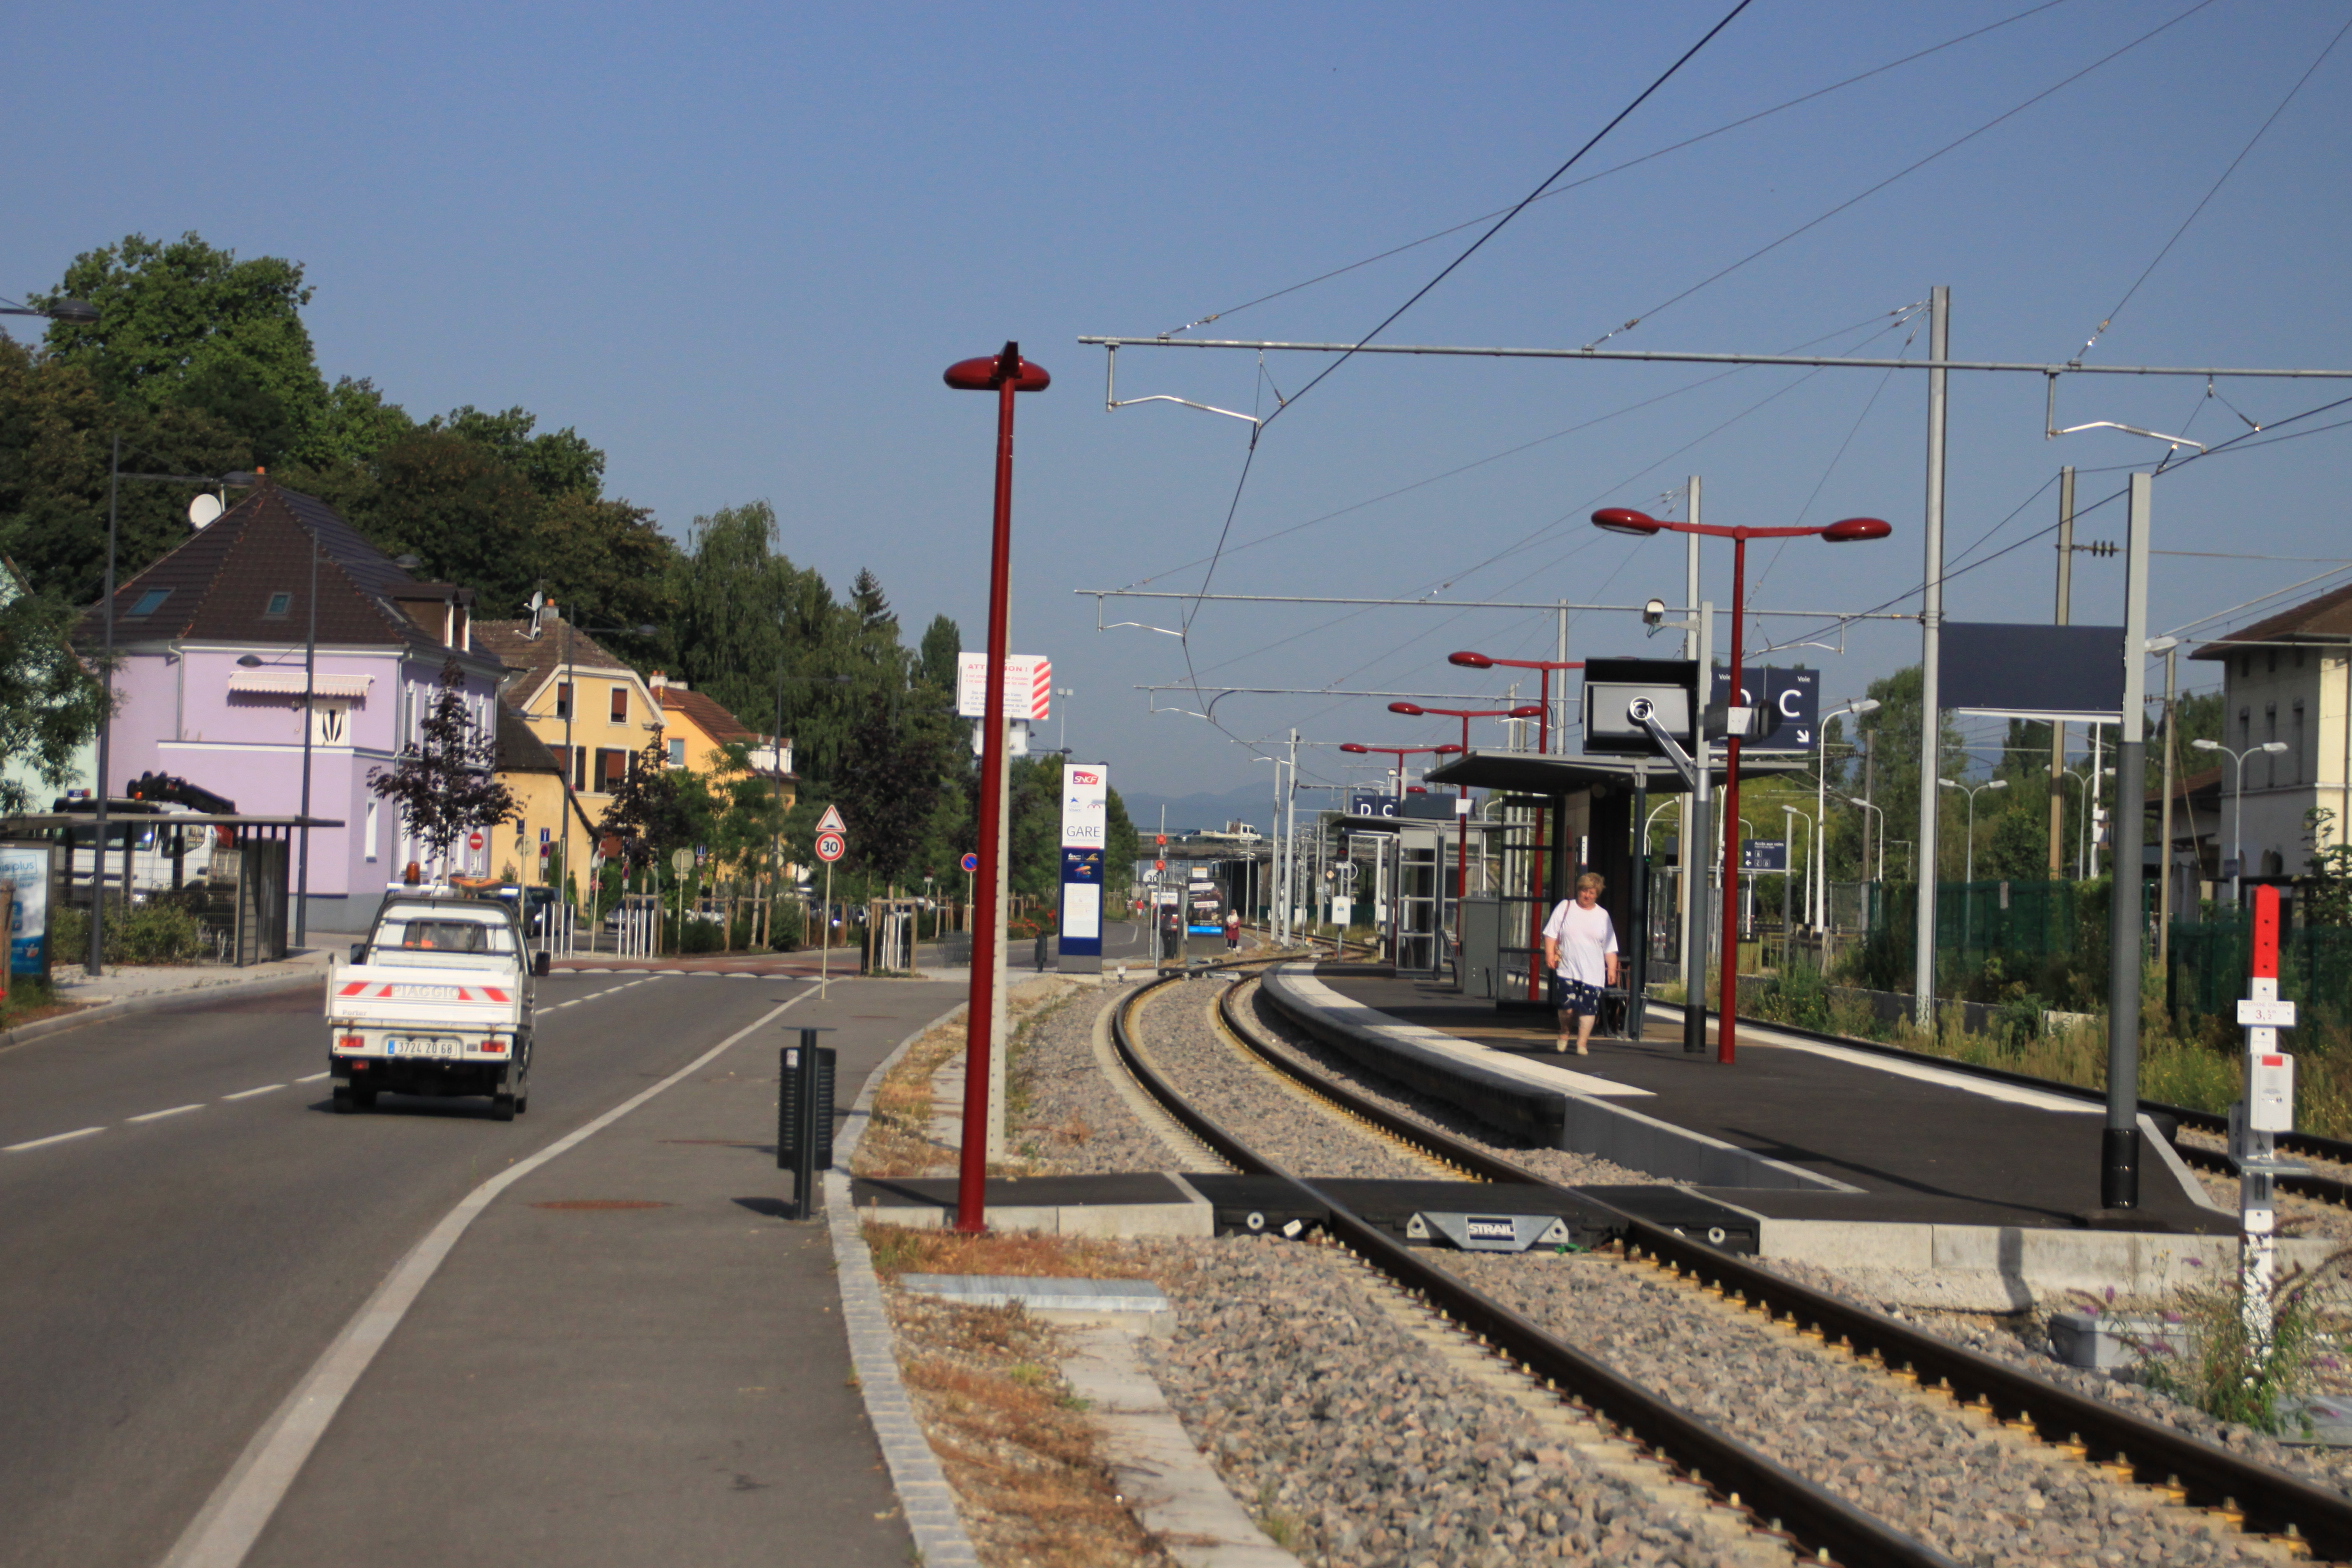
804, 1119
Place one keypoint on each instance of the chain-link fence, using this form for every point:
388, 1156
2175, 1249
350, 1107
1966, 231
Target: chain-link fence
2210, 960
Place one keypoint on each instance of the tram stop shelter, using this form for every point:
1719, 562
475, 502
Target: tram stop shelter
1419, 849
1574, 814
232, 869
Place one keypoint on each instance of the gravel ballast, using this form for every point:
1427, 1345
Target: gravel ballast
1986, 1498
1355, 1444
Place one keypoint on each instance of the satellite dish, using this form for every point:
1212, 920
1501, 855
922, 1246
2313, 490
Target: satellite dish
203, 510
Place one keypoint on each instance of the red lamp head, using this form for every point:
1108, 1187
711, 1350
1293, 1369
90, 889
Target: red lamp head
991, 372
1625, 520
1449, 749
1528, 710
1470, 661
1409, 709
1352, 746
1415, 789
1854, 528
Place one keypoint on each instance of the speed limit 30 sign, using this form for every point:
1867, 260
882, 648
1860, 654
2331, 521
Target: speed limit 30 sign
831, 847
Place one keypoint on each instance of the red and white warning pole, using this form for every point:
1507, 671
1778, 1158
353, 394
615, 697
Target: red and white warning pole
2255, 1122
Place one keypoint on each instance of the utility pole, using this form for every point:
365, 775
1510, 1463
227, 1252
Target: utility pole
1931, 626
2164, 814
2119, 1152
2064, 617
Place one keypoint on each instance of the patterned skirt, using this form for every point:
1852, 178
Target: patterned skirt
1574, 996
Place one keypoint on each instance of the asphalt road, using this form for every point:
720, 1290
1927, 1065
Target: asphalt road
172, 1273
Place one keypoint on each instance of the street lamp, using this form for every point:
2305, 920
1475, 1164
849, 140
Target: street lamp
94, 963
1005, 374
74, 312
1462, 791
1449, 749
2088, 778
1543, 744
2237, 804
1858, 707
1625, 520
1856, 800
1969, 875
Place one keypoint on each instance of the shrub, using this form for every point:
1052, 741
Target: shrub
157, 933
2224, 1372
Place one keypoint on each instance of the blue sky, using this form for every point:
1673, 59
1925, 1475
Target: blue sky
735, 246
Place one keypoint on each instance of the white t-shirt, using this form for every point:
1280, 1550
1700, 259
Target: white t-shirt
1586, 937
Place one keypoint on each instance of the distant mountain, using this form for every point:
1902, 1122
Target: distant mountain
1254, 805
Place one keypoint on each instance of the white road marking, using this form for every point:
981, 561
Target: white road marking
59, 1137
315, 1077
233, 1518
156, 1116
247, 1094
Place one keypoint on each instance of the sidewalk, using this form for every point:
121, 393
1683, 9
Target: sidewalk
631, 1357
138, 982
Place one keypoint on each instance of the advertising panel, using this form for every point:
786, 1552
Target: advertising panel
1028, 686
27, 865
1086, 805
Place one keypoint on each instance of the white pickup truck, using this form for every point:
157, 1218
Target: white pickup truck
436, 1001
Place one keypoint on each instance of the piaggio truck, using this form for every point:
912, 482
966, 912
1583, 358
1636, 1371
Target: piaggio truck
436, 1001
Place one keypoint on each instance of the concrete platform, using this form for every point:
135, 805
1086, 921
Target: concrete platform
1140, 1203
1931, 1185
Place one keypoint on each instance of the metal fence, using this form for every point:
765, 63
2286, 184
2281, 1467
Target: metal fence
2210, 958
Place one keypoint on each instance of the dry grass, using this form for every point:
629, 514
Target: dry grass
901, 1251
1018, 1448
898, 1141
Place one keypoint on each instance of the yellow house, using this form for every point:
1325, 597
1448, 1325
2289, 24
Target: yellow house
697, 732
592, 714
528, 768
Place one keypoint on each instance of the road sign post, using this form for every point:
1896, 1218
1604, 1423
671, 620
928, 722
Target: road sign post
832, 844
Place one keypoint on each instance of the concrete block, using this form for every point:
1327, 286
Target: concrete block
1844, 1244
2101, 1342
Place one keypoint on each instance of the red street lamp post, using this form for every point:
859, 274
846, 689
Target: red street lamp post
1543, 743
1004, 374
1461, 833
1624, 520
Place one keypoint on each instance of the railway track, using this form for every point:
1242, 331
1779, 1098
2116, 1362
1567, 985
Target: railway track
2258, 1500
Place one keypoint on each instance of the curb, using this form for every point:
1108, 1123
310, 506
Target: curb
915, 1472
98, 1012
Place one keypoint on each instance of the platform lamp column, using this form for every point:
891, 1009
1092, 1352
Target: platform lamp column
2237, 802
1005, 373
1624, 520
1462, 791
1858, 707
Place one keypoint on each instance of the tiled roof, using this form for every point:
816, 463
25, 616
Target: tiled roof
519, 749
713, 720
219, 584
2327, 618
538, 657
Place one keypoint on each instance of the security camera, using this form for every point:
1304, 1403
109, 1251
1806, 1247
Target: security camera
1640, 710
1653, 611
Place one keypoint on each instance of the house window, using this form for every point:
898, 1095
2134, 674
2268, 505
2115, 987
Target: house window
563, 699
620, 704
612, 766
677, 754
279, 603
150, 602
371, 839
330, 722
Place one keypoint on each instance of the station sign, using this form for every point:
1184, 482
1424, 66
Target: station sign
1764, 854
1086, 809
1613, 686
1368, 805
1789, 702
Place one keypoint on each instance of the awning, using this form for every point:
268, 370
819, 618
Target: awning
1540, 773
289, 683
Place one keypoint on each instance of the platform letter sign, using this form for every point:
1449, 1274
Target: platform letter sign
1791, 700
1086, 795
1372, 805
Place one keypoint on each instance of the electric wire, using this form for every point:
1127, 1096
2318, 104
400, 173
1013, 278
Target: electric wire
2212, 191
1901, 174
1726, 127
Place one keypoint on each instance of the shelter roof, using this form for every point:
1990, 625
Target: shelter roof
1542, 773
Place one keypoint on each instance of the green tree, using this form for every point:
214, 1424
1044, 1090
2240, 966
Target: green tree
183, 323
654, 809
942, 647
445, 781
1892, 734
49, 701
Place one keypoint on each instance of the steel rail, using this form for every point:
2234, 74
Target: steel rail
2267, 1501
1782, 1501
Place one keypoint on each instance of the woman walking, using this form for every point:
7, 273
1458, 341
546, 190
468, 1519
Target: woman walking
1580, 945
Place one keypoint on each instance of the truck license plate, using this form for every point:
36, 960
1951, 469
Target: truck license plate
423, 1045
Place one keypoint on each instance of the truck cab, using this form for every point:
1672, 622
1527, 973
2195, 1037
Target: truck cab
437, 1001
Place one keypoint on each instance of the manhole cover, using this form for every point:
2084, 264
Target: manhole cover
603, 1203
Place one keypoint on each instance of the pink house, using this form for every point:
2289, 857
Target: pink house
209, 680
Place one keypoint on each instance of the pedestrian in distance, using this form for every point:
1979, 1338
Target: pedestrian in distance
1233, 931
1580, 946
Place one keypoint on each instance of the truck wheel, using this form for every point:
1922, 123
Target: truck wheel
349, 1100
502, 1107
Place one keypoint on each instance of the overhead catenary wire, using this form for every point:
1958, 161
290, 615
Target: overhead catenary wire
1614, 169
2212, 191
